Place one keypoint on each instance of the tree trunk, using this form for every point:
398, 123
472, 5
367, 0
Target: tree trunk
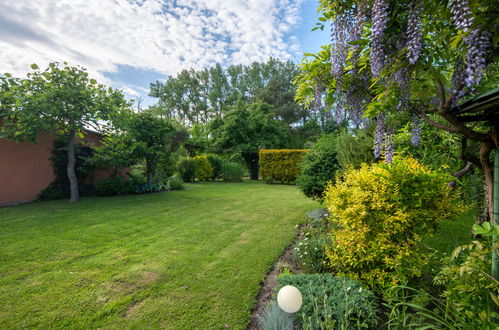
73, 181
149, 171
485, 150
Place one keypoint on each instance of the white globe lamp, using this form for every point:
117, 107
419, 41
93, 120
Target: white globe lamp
289, 299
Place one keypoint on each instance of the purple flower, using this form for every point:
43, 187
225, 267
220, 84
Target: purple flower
414, 34
379, 20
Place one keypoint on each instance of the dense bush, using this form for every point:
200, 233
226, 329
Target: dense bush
59, 188
354, 149
282, 165
204, 170
216, 163
232, 171
113, 186
379, 213
331, 302
187, 169
175, 183
318, 167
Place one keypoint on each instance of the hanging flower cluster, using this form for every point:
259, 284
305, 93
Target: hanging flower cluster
461, 14
389, 145
402, 77
416, 132
477, 41
478, 45
379, 20
414, 33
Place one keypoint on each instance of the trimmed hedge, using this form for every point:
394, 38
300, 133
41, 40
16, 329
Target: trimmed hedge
281, 165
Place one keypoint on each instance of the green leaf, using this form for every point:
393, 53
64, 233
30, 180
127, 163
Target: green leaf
34, 66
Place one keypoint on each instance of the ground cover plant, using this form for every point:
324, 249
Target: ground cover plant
185, 259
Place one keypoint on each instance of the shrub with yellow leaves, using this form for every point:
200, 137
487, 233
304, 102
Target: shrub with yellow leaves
379, 213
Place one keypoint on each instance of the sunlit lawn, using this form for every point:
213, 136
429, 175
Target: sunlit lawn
182, 259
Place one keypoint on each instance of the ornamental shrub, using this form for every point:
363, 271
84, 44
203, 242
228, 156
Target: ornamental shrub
232, 171
113, 186
280, 164
204, 170
216, 163
354, 149
187, 169
331, 302
175, 183
318, 167
379, 213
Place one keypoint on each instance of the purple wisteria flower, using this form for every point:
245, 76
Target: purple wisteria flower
379, 20
461, 14
416, 132
414, 33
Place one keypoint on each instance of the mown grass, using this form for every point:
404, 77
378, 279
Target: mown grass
183, 259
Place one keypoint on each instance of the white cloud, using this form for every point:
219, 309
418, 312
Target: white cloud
163, 36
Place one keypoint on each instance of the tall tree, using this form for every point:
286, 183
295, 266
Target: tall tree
198, 96
246, 129
62, 100
152, 137
399, 61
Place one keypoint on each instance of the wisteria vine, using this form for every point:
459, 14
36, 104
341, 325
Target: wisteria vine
414, 32
379, 21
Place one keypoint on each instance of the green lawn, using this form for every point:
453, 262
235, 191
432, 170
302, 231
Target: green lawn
183, 259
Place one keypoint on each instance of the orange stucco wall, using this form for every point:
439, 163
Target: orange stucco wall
25, 168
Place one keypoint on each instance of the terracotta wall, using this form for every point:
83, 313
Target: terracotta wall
25, 168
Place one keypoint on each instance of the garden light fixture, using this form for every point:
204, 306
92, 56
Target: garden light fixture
289, 299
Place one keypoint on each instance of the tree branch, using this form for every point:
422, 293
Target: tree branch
465, 170
436, 124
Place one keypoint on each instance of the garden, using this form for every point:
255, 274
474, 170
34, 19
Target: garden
357, 189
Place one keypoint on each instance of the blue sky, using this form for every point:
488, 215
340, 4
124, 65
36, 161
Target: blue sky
128, 44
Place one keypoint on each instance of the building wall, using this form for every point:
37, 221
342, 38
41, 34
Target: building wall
25, 168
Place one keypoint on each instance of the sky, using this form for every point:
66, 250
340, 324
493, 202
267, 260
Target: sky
128, 44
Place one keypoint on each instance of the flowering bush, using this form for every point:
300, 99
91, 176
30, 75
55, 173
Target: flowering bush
309, 252
379, 213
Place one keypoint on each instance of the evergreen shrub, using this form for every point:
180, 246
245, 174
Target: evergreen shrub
216, 163
318, 167
204, 170
113, 186
187, 169
282, 165
379, 213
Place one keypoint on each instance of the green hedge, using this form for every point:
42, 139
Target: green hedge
282, 165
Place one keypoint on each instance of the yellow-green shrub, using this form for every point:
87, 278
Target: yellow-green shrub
281, 165
204, 170
379, 213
